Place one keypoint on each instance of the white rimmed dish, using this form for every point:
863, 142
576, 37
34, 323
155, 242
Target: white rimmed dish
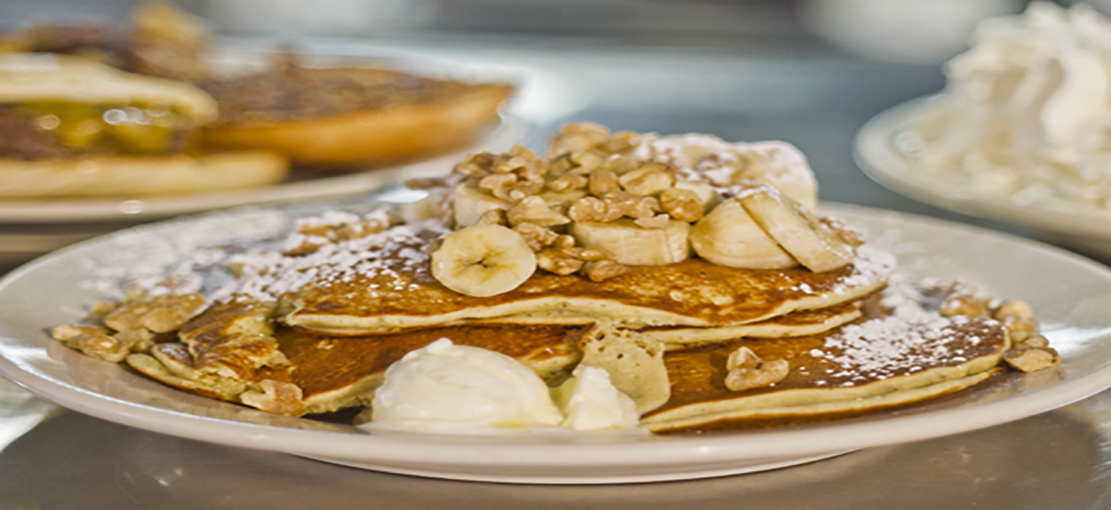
877, 152
1070, 294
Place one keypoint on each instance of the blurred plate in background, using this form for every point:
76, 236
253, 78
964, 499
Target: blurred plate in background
878, 153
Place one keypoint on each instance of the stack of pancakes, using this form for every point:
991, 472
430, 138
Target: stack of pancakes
663, 332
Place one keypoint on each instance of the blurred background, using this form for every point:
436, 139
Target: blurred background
811, 72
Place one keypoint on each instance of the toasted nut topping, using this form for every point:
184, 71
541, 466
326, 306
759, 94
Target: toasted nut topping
66, 333
498, 185
160, 315
595, 209
1013, 309
585, 162
522, 190
603, 181
622, 142
275, 397
100, 346
476, 165
1034, 341
564, 241
536, 236
962, 300
535, 210
649, 179
136, 340
522, 152
682, 204
578, 137
1019, 329
766, 373
603, 270
639, 207
620, 165
1032, 359
557, 261
589, 254
494, 217
568, 182
743, 358
657, 221
102, 307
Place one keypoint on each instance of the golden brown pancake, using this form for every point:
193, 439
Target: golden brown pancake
831, 376
398, 291
220, 357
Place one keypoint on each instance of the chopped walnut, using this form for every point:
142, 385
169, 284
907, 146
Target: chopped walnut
160, 315
624, 141
585, 162
603, 181
602, 270
962, 300
564, 241
649, 179
276, 397
1013, 309
557, 261
682, 204
1018, 329
136, 340
589, 254
535, 210
67, 332
99, 346
102, 307
536, 236
522, 190
494, 217
498, 185
1032, 359
657, 221
568, 182
633, 206
476, 165
747, 371
522, 152
595, 209
578, 137
620, 165
1034, 341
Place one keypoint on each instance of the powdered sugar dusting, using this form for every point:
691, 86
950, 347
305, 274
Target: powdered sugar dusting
913, 337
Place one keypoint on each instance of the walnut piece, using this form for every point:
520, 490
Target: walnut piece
747, 371
595, 209
603, 181
962, 300
578, 137
602, 270
657, 221
649, 179
276, 397
67, 332
535, 210
682, 204
558, 261
494, 217
136, 340
1019, 329
100, 346
1032, 359
1013, 309
498, 185
568, 182
536, 236
160, 315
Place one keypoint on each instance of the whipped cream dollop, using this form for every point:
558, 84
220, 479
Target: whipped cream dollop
448, 387
589, 401
1030, 113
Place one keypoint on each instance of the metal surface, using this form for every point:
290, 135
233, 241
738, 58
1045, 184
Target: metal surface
1056, 460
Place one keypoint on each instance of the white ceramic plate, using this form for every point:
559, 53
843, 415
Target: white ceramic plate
1070, 294
879, 156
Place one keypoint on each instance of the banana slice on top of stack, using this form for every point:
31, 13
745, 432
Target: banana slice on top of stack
602, 201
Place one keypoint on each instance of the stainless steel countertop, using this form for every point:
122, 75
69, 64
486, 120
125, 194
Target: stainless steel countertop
53, 459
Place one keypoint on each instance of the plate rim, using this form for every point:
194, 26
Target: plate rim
655, 451
876, 157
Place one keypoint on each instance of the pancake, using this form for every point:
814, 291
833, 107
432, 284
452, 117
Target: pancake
392, 288
800, 323
845, 370
221, 357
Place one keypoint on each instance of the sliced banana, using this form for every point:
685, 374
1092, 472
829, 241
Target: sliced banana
781, 166
471, 202
728, 236
483, 260
428, 208
796, 229
635, 245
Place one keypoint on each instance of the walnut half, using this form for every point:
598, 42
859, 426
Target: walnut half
747, 371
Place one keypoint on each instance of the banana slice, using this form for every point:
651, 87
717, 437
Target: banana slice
483, 260
796, 229
471, 202
635, 245
728, 236
428, 208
